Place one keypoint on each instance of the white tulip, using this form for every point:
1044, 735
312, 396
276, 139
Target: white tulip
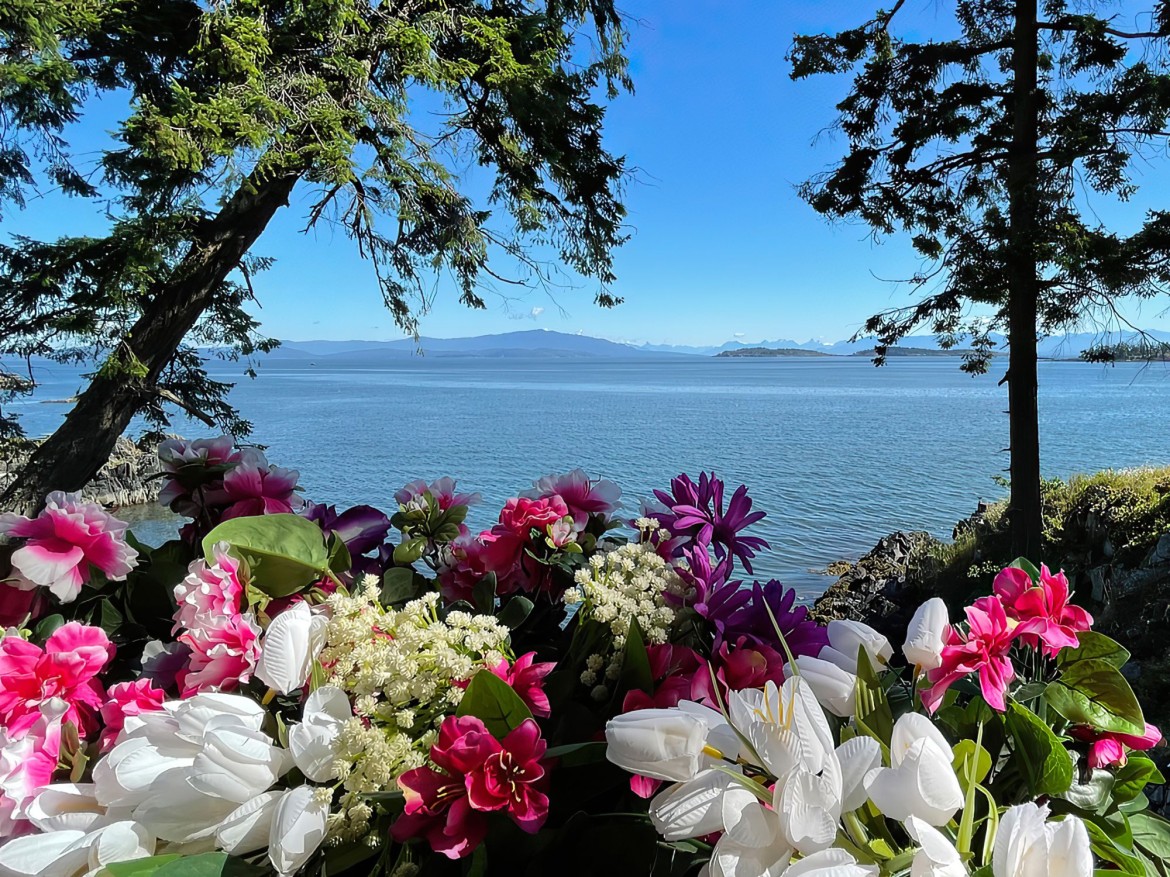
848, 638
176, 812
720, 735
922, 781
835, 689
193, 714
937, 856
236, 764
1028, 845
116, 842
246, 829
809, 806
125, 775
785, 726
66, 806
858, 757
32, 854
298, 827
664, 744
290, 646
830, 863
693, 808
926, 635
753, 844
314, 742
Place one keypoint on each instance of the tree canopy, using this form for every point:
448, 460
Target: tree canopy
988, 147
230, 106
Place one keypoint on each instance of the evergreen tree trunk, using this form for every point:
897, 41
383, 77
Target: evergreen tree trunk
1025, 517
72, 456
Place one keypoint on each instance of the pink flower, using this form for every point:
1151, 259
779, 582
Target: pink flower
223, 654
66, 668
210, 591
1107, 750
442, 489
505, 543
527, 680
191, 466
128, 699
510, 779
462, 564
983, 650
17, 604
27, 764
65, 543
1045, 616
582, 496
253, 487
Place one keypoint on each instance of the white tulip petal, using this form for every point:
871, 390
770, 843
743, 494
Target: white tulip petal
65, 806
857, 757
664, 744
32, 854
693, 808
246, 829
290, 645
937, 856
298, 828
926, 634
830, 863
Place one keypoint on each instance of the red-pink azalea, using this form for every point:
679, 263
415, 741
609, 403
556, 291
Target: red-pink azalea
1047, 619
476, 774
209, 592
224, 653
527, 679
65, 543
582, 496
505, 544
983, 649
462, 564
521, 514
66, 668
254, 487
27, 764
127, 699
1107, 749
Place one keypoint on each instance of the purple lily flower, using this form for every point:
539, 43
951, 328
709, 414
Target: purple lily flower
748, 618
696, 511
362, 528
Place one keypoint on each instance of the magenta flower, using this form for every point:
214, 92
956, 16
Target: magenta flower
510, 779
27, 763
462, 564
983, 649
65, 543
1109, 750
191, 466
1046, 619
224, 652
583, 496
127, 699
505, 543
747, 619
209, 592
362, 528
527, 680
255, 487
441, 490
696, 511
66, 668
18, 605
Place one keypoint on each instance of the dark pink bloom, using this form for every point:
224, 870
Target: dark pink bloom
128, 699
17, 605
254, 487
696, 511
64, 544
1046, 618
505, 544
983, 649
66, 668
520, 515
1107, 750
27, 764
191, 466
224, 652
510, 779
441, 490
462, 564
527, 680
209, 592
582, 496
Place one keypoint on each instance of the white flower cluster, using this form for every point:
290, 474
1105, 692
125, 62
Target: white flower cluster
620, 586
402, 670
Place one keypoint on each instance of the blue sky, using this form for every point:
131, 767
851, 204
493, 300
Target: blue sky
722, 247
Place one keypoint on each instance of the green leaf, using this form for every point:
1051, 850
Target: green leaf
1113, 845
410, 550
477, 866
139, 867
980, 759
1132, 777
341, 858
339, 559
492, 700
873, 713
1094, 646
1092, 692
47, 626
578, 754
483, 594
209, 865
1039, 753
284, 553
636, 672
515, 612
1028, 567
1152, 834
398, 586
1092, 794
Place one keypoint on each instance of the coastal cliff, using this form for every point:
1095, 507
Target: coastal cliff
129, 478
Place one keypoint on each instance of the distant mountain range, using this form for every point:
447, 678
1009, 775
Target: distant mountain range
547, 343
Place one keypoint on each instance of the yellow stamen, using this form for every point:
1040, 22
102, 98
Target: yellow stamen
712, 751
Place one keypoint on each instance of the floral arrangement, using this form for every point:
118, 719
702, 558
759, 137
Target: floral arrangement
288, 688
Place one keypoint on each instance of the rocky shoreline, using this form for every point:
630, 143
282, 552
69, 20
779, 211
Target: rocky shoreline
130, 478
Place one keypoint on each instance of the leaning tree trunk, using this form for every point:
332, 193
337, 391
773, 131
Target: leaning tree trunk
1024, 510
72, 456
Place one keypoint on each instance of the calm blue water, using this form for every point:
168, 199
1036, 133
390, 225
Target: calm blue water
837, 452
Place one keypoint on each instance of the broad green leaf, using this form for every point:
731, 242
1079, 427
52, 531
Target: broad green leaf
339, 559
1093, 793
138, 867
209, 865
284, 553
1092, 692
483, 595
515, 612
492, 700
1039, 754
578, 754
1028, 567
397, 586
478, 865
339, 859
1132, 777
1094, 646
636, 672
410, 550
47, 626
1152, 834
1114, 847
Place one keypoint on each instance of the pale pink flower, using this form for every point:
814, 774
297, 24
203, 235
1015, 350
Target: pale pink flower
583, 496
27, 764
983, 649
190, 465
224, 653
1047, 619
442, 489
213, 591
66, 542
66, 668
254, 487
128, 699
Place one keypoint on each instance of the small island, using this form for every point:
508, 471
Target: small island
769, 351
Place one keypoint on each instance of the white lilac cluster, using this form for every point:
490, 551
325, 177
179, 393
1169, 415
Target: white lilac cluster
620, 586
405, 671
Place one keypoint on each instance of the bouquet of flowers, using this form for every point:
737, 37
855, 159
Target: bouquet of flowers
291, 688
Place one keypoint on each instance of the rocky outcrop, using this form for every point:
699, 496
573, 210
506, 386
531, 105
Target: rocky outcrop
129, 478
